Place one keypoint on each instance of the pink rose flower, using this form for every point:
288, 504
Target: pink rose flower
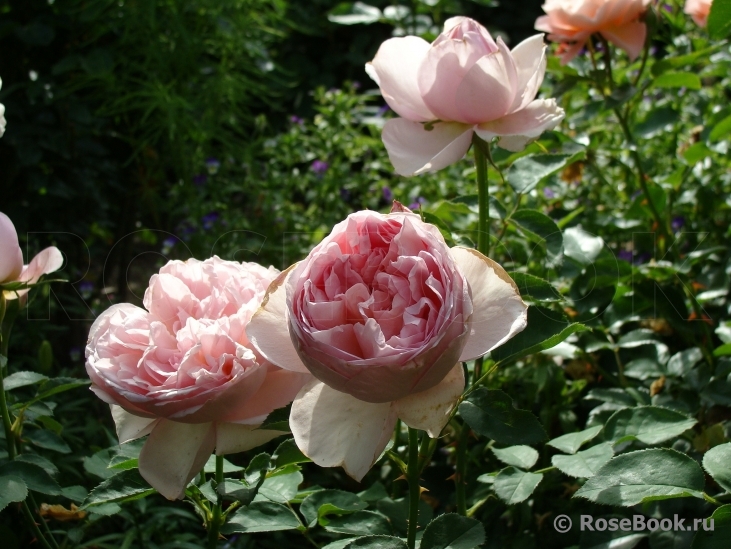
463, 83
698, 10
184, 372
572, 22
11, 260
381, 312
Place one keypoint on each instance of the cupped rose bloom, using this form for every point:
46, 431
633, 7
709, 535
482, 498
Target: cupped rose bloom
11, 261
381, 312
698, 10
184, 372
572, 22
463, 83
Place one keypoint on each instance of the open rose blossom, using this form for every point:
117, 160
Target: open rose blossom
11, 260
698, 10
572, 22
184, 372
463, 83
381, 312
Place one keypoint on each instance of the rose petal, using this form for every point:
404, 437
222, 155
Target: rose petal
11, 258
430, 409
129, 426
414, 150
629, 36
517, 129
499, 312
335, 429
394, 69
530, 63
268, 329
174, 453
232, 438
45, 262
171, 301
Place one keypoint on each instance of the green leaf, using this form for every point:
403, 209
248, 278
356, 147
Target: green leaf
237, 490
34, 477
374, 492
642, 476
228, 467
354, 14
581, 246
22, 379
491, 414
360, 523
261, 516
571, 442
42, 462
678, 80
717, 461
720, 130
535, 288
397, 511
453, 531
513, 485
613, 539
526, 172
287, 453
521, 456
98, 464
53, 387
47, 440
278, 420
345, 502
719, 19
12, 489
586, 463
546, 329
681, 363
696, 152
648, 424
720, 536
281, 488
682, 60
375, 542
257, 468
542, 229
123, 486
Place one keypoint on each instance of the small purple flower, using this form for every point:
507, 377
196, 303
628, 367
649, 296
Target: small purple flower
294, 119
641, 259
320, 167
209, 220
625, 255
200, 179
356, 85
668, 8
548, 192
387, 194
75, 354
185, 229
417, 203
85, 289
383, 110
213, 164
677, 223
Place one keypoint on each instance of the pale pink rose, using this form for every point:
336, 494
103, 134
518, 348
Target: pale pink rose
184, 372
698, 10
572, 22
11, 260
381, 312
463, 83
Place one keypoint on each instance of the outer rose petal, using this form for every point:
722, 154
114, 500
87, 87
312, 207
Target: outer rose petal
629, 36
430, 409
395, 70
232, 438
516, 130
414, 150
530, 62
335, 429
174, 453
131, 427
45, 262
499, 312
11, 258
268, 329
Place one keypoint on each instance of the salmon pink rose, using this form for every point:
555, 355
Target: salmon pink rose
381, 312
698, 10
11, 260
572, 22
463, 83
184, 372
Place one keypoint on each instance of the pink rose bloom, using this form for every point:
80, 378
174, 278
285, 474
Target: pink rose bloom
184, 372
698, 10
11, 260
381, 312
572, 22
463, 83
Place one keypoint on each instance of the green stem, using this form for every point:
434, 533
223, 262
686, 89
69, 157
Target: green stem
46, 529
546, 470
412, 475
461, 472
34, 527
480, 148
215, 523
9, 438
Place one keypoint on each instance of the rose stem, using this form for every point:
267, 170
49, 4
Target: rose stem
412, 474
215, 523
461, 472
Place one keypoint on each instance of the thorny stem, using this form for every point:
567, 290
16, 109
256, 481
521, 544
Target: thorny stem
215, 524
461, 472
412, 475
483, 223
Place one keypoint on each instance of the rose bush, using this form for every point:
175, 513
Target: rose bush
572, 22
698, 10
382, 312
184, 372
463, 83
11, 260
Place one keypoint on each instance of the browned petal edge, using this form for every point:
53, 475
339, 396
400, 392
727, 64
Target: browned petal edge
276, 283
398, 207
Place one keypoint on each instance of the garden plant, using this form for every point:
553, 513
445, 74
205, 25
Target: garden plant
435, 274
